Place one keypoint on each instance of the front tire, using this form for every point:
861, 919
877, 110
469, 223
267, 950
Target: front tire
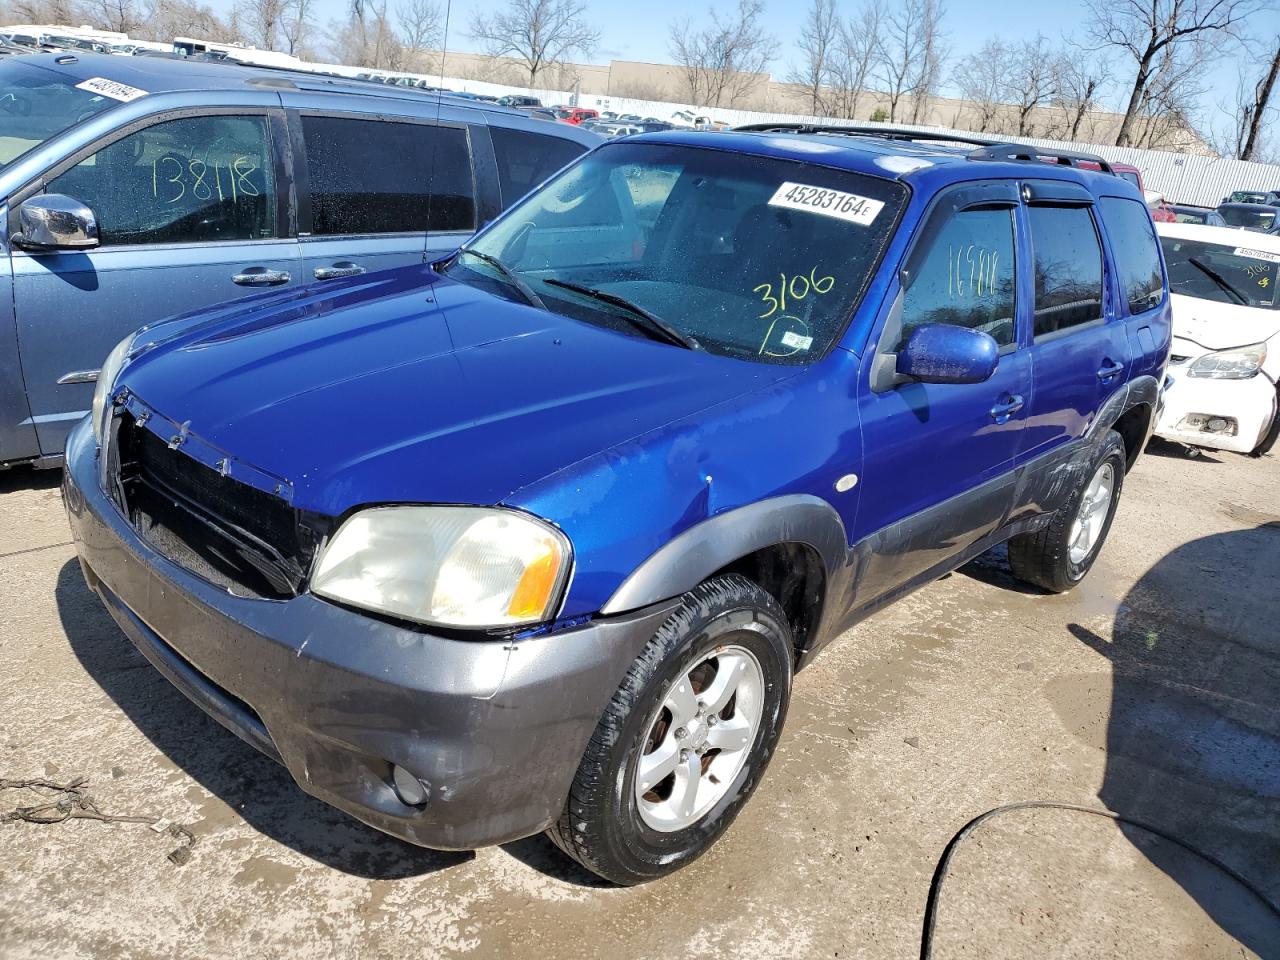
1057, 556
686, 737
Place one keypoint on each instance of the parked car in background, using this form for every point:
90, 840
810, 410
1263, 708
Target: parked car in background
1161, 212
1249, 216
576, 115
140, 187
534, 537
1248, 196
1128, 171
518, 100
1183, 213
1225, 360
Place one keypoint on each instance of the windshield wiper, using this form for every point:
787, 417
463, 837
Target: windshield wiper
508, 274
642, 319
1219, 279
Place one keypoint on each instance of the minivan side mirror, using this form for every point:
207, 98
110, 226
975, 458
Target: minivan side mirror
54, 221
942, 353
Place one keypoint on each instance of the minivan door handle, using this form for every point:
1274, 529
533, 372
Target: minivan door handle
343, 268
1109, 370
1006, 408
261, 277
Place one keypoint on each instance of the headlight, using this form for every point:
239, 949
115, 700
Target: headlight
470, 567
1240, 363
107, 381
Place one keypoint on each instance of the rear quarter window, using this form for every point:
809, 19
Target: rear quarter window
525, 159
1136, 251
1068, 267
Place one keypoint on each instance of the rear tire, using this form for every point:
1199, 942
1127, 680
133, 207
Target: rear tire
660, 781
1057, 556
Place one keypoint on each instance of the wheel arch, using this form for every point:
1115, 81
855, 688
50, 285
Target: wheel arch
790, 545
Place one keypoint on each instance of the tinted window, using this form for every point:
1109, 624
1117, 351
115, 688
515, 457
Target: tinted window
1133, 241
1068, 267
371, 176
526, 159
1261, 218
1131, 177
966, 277
198, 179
1211, 271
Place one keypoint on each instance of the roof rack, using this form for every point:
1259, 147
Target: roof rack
1021, 152
987, 149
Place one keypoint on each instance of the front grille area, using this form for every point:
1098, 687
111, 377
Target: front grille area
227, 532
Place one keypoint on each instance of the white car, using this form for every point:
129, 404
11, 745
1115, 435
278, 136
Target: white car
1221, 391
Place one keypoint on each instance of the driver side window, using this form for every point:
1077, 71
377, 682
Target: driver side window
965, 277
192, 180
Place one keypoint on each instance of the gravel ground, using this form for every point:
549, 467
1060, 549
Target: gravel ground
1149, 692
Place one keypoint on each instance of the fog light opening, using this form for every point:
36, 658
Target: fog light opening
411, 791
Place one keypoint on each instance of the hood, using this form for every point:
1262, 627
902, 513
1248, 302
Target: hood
1221, 326
404, 386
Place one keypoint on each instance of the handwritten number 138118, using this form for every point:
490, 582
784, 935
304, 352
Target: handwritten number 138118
173, 178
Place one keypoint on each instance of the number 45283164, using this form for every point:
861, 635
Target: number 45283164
797, 287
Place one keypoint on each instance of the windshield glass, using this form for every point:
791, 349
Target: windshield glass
1260, 219
1243, 276
37, 104
746, 256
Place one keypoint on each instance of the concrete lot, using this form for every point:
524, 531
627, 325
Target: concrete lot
1151, 691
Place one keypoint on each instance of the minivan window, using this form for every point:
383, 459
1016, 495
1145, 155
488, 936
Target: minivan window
1222, 273
966, 277
526, 159
1068, 267
376, 176
1137, 255
192, 180
37, 104
751, 256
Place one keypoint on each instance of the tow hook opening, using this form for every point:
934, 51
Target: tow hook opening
411, 791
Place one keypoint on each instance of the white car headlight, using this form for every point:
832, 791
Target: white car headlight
1239, 363
107, 381
473, 567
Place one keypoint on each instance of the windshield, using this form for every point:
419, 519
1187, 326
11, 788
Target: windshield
746, 256
37, 104
1261, 218
1213, 271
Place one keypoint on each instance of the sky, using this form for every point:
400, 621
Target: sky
640, 29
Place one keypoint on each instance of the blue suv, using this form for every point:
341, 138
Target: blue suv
535, 536
134, 188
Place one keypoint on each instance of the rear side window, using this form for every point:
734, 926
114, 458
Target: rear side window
373, 176
194, 180
526, 159
1068, 267
966, 277
1133, 242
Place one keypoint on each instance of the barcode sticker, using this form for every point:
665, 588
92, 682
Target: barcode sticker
1257, 254
110, 88
796, 341
830, 203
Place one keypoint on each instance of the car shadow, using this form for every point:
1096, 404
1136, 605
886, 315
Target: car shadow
1193, 733
1177, 451
27, 478
253, 787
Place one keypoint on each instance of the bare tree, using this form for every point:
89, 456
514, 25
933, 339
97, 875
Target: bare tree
537, 32
721, 62
421, 28
855, 58
367, 37
1035, 81
261, 20
818, 43
1079, 84
1252, 103
296, 27
120, 16
183, 18
911, 53
1153, 31
983, 80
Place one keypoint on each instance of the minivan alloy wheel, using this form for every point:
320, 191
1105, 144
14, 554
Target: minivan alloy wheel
1092, 515
699, 738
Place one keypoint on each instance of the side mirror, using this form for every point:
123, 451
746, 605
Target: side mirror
54, 221
941, 353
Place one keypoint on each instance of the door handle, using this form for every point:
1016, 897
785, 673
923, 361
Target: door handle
1109, 370
1006, 408
261, 277
343, 268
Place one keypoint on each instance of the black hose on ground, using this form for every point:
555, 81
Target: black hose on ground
944, 864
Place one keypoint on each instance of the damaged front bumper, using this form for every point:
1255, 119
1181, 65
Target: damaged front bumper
1218, 414
493, 730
